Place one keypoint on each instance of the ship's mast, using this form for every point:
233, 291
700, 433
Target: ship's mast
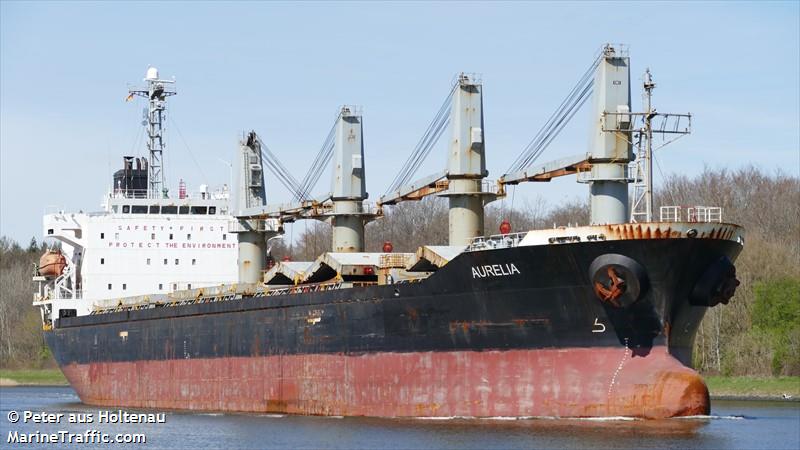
652, 122
156, 93
642, 208
649, 85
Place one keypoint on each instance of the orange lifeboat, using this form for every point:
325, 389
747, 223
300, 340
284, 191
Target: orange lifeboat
52, 263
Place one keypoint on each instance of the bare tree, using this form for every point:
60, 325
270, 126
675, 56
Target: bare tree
766, 204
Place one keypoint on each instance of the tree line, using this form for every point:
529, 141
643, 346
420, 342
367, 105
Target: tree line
757, 333
21, 339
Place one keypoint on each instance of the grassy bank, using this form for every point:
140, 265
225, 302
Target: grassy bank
33, 376
720, 386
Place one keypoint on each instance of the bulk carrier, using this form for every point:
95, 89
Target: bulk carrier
174, 303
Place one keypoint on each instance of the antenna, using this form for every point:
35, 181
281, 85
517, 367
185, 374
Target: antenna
156, 92
653, 122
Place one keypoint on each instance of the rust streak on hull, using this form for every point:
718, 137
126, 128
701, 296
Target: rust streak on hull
575, 382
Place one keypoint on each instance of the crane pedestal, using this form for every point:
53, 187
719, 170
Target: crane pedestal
252, 256
466, 210
348, 226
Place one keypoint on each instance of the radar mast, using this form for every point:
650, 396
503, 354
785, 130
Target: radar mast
156, 92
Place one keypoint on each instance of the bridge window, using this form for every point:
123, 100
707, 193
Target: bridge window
154, 209
139, 209
183, 210
126, 209
199, 209
169, 210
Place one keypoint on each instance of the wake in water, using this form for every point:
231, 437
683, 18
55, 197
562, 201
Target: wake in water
515, 418
217, 414
712, 417
581, 419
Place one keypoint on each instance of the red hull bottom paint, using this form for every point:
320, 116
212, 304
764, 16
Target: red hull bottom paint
576, 382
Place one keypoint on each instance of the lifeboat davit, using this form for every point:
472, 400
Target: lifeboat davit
52, 263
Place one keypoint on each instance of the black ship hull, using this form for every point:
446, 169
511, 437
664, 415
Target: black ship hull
600, 328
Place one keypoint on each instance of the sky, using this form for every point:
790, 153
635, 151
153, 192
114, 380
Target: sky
284, 69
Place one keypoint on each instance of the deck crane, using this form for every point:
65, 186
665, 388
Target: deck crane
605, 167
343, 207
463, 180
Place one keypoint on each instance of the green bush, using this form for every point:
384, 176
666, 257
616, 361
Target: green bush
776, 313
777, 304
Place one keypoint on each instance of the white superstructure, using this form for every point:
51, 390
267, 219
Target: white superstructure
144, 241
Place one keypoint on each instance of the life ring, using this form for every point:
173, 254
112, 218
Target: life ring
618, 280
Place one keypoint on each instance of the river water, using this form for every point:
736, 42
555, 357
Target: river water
733, 424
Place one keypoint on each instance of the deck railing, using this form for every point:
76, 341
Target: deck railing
199, 297
496, 241
702, 214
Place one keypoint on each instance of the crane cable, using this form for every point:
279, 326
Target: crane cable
558, 120
279, 170
425, 144
323, 158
